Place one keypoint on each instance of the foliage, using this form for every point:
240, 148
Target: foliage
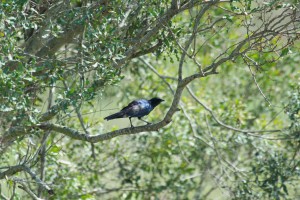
229, 67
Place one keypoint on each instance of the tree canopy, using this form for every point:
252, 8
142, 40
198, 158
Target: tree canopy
228, 71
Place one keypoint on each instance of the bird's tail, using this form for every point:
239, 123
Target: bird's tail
114, 116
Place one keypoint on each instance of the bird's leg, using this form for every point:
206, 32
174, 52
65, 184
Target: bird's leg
130, 122
144, 120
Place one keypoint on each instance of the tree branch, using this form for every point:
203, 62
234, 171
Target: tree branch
56, 43
11, 171
248, 132
101, 137
158, 24
255, 81
36, 41
192, 37
26, 189
18, 168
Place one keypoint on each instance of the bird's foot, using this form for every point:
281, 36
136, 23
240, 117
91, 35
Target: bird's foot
148, 123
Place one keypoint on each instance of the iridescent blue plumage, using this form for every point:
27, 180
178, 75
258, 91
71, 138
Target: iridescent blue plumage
138, 108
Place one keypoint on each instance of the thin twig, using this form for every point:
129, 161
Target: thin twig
43, 144
229, 165
24, 187
248, 132
13, 192
253, 76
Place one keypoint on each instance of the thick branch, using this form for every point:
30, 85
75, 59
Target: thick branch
12, 134
11, 171
101, 137
158, 25
36, 41
57, 42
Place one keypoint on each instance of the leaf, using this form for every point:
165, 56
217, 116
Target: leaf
55, 149
6, 109
45, 36
28, 78
32, 119
285, 189
284, 52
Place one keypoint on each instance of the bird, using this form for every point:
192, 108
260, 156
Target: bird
137, 108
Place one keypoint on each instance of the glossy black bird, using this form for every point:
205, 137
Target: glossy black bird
138, 108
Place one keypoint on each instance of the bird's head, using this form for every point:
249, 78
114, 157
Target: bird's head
155, 101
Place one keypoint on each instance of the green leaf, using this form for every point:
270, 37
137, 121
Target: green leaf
55, 149
285, 189
284, 52
6, 109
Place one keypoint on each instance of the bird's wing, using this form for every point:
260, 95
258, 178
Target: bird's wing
133, 103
